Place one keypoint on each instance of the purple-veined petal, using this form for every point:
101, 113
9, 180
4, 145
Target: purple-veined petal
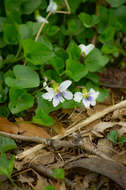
86, 102
48, 96
64, 85
93, 102
50, 90
55, 101
78, 96
93, 93
68, 95
61, 99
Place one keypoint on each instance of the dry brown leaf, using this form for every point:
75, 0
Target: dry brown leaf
105, 146
102, 126
111, 169
23, 128
97, 108
120, 157
58, 128
119, 114
41, 182
43, 157
60, 186
28, 129
7, 126
25, 179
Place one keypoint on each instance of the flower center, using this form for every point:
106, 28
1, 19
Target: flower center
56, 88
85, 93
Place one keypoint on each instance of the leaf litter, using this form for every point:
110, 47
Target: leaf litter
79, 153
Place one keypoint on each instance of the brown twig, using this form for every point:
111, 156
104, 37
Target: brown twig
57, 144
42, 26
49, 173
79, 126
111, 169
68, 8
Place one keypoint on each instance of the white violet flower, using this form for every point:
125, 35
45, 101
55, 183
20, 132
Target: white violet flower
87, 98
85, 50
41, 19
57, 93
52, 6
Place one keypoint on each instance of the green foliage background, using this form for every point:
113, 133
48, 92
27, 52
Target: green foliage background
56, 54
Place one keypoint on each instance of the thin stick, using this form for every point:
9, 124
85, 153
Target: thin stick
74, 128
92, 118
68, 8
42, 26
49, 173
67, 5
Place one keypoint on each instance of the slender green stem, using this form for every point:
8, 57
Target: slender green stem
16, 60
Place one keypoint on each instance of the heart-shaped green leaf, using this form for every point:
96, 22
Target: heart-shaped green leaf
6, 166
20, 100
6, 144
88, 20
25, 77
37, 53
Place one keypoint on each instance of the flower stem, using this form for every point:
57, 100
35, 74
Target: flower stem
42, 26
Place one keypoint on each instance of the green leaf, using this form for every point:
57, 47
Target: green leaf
116, 3
28, 30
120, 14
95, 60
2, 21
88, 20
25, 77
51, 74
11, 35
74, 5
4, 111
75, 70
3, 94
6, 144
58, 61
122, 140
103, 95
44, 108
42, 118
103, 17
59, 173
6, 166
73, 50
109, 49
49, 187
52, 30
69, 104
75, 27
93, 77
108, 35
46, 105
20, 100
37, 53
113, 136
28, 6
12, 9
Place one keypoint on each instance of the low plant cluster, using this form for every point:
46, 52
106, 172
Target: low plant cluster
47, 47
